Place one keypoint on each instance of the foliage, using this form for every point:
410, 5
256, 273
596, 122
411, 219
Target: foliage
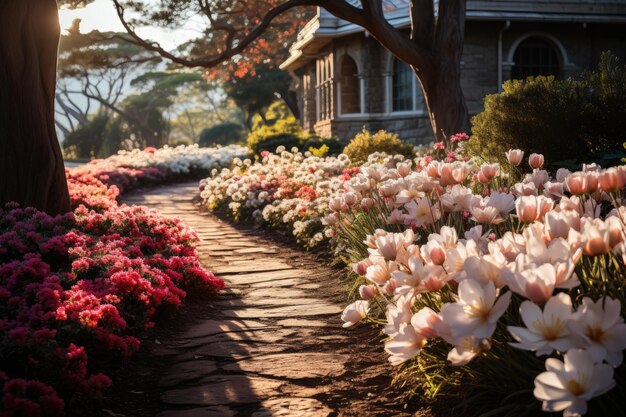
271, 142
276, 127
256, 91
221, 134
333, 146
95, 69
565, 120
88, 140
364, 144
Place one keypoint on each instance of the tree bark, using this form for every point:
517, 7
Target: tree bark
445, 102
31, 165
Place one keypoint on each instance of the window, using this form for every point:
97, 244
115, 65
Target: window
324, 88
402, 87
349, 87
535, 56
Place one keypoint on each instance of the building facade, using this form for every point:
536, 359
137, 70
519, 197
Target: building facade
346, 81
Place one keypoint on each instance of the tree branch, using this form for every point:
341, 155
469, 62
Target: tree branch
229, 52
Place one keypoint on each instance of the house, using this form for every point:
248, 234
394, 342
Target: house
346, 81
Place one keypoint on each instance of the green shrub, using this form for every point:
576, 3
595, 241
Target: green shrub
222, 134
335, 147
277, 123
289, 141
279, 127
365, 144
270, 143
565, 120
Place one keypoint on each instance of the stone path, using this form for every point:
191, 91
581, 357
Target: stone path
273, 344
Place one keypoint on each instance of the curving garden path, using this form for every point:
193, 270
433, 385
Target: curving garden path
272, 343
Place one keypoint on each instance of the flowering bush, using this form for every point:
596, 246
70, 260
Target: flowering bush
364, 144
286, 190
484, 279
87, 283
466, 266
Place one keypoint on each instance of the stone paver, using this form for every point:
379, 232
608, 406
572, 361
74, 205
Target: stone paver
270, 349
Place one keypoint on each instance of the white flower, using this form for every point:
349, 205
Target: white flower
421, 213
404, 344
355, 312
536, 284
486, 268
398, 314
477, 311
465, 349
378, 273
602, 328
503, 202
545, 331
568, 386
420, 277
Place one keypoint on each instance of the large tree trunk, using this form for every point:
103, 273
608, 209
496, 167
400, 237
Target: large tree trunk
31, 165
445, 101
441, 82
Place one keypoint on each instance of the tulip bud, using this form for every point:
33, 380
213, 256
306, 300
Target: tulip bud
351, 198
367, 292
404, 169
482, 178
367, 203
515, 156
576, 183
535, 160
360, 267
335, 204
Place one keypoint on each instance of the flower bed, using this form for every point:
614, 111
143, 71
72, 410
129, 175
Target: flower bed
493, 286
286, 190
87, 283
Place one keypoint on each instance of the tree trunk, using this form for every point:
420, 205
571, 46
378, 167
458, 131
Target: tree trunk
31, 165
442, 88
445, 101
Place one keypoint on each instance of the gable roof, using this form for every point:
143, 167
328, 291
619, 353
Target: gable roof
325, 26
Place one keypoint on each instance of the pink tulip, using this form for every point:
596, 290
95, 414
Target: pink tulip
367, 292
577, 184
515, 156
612, 180
535, 160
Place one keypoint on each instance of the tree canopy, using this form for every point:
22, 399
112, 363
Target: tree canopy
242, 33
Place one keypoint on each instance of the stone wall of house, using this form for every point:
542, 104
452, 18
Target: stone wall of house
414, 129
582, 44
479, 64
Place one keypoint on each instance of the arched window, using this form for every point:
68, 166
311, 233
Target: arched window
535, 56
350, 91
402, 87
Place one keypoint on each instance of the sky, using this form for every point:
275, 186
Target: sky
100, 15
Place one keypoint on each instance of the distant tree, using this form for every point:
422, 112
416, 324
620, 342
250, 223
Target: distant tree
88, 139
200, 106
95, 69
222, 134
31, 165
243, 32
255, 92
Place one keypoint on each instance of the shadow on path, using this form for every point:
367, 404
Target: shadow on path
272, 343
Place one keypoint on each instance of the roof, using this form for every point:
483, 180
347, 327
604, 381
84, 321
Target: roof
325, 26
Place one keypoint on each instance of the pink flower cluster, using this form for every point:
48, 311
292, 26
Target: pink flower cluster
81, 285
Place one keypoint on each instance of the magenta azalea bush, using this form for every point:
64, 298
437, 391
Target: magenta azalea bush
87, 283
